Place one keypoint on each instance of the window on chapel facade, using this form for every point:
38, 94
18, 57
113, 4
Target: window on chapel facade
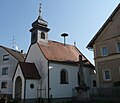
94, 83
43, 35
63, 77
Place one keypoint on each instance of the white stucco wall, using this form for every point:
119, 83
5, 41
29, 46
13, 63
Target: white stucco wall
17, 74
57, 90
11, 64
27, 92
62, 90
66, 90
35, 56
31, 93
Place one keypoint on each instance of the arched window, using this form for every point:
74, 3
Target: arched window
94, 83
43, 35
64, 76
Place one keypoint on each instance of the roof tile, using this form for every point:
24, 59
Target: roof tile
55, 51
29, 70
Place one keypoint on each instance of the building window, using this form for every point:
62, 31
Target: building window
119, 70
104, 51
4, 85
107, 75
63, 77
94, 83
5, 71
6, 57
43, 35
118, 47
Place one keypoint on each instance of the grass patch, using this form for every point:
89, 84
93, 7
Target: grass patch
68, 102
3, 100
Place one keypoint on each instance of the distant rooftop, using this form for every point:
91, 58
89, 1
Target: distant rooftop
17, 54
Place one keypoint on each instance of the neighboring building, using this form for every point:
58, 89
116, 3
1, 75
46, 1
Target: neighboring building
106, 47
51, 69
9, 59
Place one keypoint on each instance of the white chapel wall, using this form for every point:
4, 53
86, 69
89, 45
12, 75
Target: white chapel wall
31, 93
58, 90
17, 74
36, 56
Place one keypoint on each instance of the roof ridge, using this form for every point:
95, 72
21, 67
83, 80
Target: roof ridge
17, 54
90, 44
60, 42
10, 48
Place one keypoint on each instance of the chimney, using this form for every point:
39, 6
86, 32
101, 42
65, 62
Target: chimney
74, 43
21, 51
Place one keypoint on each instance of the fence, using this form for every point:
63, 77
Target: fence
106, 92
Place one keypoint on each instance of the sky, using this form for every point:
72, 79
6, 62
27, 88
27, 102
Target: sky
80, 19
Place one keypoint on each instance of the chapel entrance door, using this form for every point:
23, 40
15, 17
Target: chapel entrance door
18, 88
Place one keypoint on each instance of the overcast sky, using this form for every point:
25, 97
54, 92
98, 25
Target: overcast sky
81, 19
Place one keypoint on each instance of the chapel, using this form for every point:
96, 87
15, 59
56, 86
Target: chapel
52, 71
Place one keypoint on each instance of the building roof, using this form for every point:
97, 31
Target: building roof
29, 70
17, 54
58, 52
90, 45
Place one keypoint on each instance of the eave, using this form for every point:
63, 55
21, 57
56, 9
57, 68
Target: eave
90, 45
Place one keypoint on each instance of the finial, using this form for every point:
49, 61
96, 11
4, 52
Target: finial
40, 10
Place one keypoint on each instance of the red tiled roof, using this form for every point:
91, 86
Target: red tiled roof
55, 51
29, 70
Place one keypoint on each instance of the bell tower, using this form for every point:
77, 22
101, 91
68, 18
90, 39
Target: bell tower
39, 30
